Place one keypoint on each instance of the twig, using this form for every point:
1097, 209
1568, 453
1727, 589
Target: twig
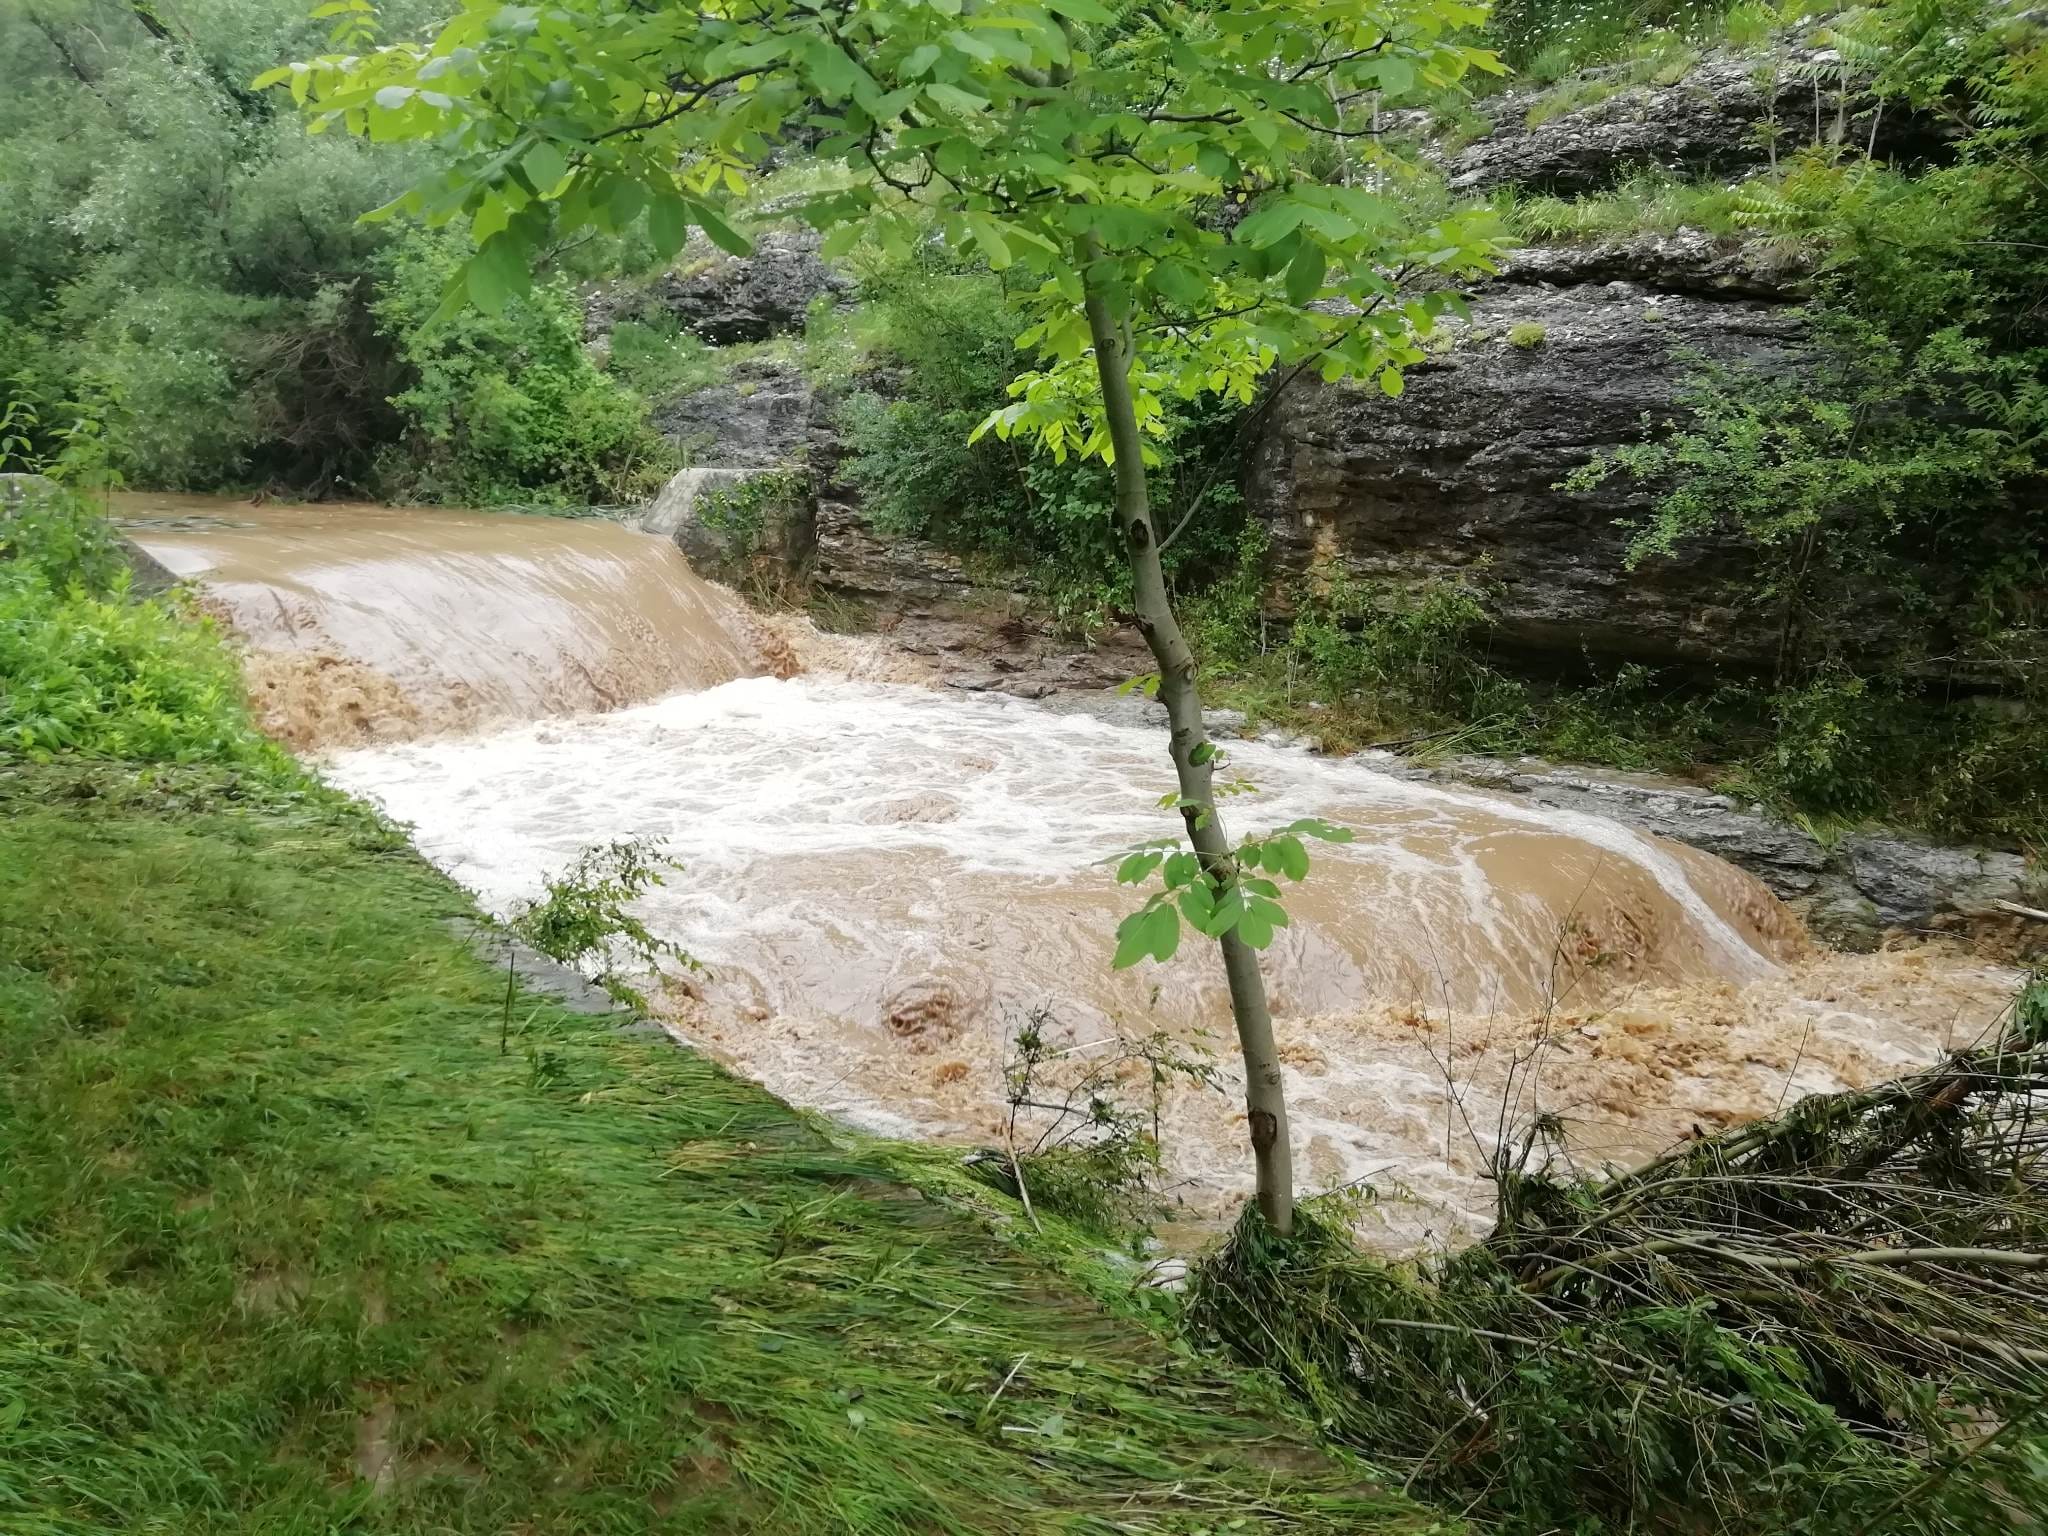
1006, 1381
1017, 1172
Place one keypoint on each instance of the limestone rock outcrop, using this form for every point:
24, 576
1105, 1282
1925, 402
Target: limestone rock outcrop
1458, 479
1718, 118
725, 299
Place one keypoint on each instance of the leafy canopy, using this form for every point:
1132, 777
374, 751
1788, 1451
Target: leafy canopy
1149, 153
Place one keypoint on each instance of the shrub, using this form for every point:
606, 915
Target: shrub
658, 360
84, 669
508, 408
1416, 657
939, 342
1226, 624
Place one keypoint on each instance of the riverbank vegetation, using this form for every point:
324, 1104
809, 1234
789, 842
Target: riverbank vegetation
184, 266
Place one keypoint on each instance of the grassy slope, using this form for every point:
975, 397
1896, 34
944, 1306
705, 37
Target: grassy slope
287, 1245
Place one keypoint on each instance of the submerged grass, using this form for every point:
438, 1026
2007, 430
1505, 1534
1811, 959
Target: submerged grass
289, 1242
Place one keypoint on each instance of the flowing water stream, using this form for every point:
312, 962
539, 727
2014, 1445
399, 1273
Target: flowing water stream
886, 881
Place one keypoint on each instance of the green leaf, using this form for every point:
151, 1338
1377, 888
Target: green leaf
722, 234
954, 99
1305, 273
1261, 917
668, 224
493, 216
840, 242
1228, 908
546, 166
1289, 858
835, 74
1086, 11
1178, 281
1274, 220
1133, 942
1134, 869
624, 200
1255, 928
1315, 826
1153, 930
498, 272
988, 236
1391, 382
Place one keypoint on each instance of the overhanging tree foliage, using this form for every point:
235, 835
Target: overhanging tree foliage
1141, 162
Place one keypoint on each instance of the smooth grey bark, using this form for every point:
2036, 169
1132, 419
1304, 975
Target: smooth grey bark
1265, 1100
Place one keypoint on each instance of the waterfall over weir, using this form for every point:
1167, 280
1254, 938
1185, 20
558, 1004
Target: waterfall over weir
886, 881
381, 623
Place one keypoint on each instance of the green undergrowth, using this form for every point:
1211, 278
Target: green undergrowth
289, 1242
1417, 669
1649, 202
83, 669
1836, 751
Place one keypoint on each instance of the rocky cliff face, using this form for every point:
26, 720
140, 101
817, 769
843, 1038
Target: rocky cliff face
765, 416
725, 299
1567, 356
1723, 115
1457, 480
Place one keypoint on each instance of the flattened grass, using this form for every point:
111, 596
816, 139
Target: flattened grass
288, 1245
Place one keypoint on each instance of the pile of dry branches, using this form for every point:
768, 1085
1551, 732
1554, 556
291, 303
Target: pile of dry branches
1835, 1320
1901, 1229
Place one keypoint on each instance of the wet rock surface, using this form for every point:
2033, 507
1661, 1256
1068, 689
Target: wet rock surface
972, 636
1718, 118
1850, 893
1683, 261
724, 299
763, 414
1458, 479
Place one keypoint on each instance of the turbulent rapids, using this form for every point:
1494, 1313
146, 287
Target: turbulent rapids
885, 880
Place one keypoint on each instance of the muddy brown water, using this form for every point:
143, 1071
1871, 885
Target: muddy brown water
886, 880
368, 623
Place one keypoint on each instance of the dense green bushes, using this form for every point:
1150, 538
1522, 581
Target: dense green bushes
179, 260
1363, 666
506, 407
84, 669
184, 263
935, 341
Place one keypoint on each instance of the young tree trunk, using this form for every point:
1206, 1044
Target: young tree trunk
1265, 1101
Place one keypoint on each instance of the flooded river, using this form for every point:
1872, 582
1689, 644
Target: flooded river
886, 881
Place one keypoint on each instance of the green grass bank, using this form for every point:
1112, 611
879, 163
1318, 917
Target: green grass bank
288, 1243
